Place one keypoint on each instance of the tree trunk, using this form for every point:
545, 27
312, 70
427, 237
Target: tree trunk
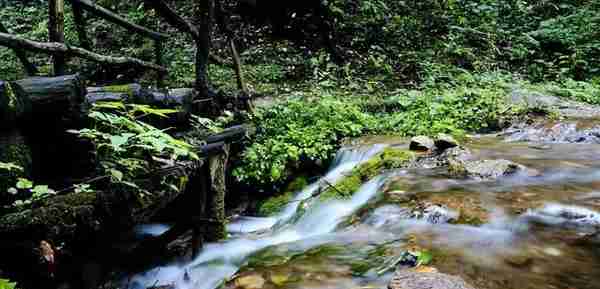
216, 206
56, 32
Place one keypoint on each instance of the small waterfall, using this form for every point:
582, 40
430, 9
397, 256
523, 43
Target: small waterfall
345, 160
219, 261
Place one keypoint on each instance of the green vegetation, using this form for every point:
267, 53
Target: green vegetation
127, 148
6, 284
388, 159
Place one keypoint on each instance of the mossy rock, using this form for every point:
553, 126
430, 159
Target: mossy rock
56, 218
273, 205
389, 158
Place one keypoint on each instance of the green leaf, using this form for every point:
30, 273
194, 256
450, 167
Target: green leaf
42, 190
24, 184
10, 167
116, 175
6, 284
423, 257
117, 141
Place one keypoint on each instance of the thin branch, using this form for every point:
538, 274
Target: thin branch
16, 42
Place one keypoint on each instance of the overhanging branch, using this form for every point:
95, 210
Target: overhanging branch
17, 42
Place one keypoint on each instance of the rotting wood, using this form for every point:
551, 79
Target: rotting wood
30, 68
56, 32
20, 98
54, 48
110, 16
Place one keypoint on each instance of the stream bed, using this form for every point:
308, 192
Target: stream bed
535, 230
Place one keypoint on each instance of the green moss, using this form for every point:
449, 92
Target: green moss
389, 158
125, 88
297, 184
273, 205
66, 212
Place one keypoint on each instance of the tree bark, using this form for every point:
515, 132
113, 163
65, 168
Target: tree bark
56, 32
56, 48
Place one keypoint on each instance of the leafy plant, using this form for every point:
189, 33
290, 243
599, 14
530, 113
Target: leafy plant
298, 130
7, 284
35, 193
10, 167
126, 147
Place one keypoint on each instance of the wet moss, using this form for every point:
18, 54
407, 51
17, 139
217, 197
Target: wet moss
389, 158
59, 216
273, 205
297, 184
125, 88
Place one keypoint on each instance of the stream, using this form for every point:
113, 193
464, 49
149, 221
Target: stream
533, 230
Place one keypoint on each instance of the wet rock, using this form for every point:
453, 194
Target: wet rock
484, 169
554, 132
444, 142
564, 107
434, 213
565, 216
412, 279
386, 215
443, 159
421, 143
250, 282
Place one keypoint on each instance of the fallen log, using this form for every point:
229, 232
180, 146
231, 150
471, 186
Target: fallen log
86, 222
20, 99
17, 42
237, 132
134, 93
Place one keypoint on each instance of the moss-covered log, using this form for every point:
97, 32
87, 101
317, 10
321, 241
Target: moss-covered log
23, 98
82, 220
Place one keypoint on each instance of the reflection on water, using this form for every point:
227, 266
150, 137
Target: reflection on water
527, 232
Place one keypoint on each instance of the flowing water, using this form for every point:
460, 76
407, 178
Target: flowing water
528, 231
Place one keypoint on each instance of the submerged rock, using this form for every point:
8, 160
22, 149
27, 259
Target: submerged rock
422, 144
250, 282
565, 216
484, 169
413, 279
434, 213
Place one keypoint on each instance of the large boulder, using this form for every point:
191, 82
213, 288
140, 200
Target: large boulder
422, 144
415, 279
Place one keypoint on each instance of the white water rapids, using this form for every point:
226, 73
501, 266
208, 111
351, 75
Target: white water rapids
219, 261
